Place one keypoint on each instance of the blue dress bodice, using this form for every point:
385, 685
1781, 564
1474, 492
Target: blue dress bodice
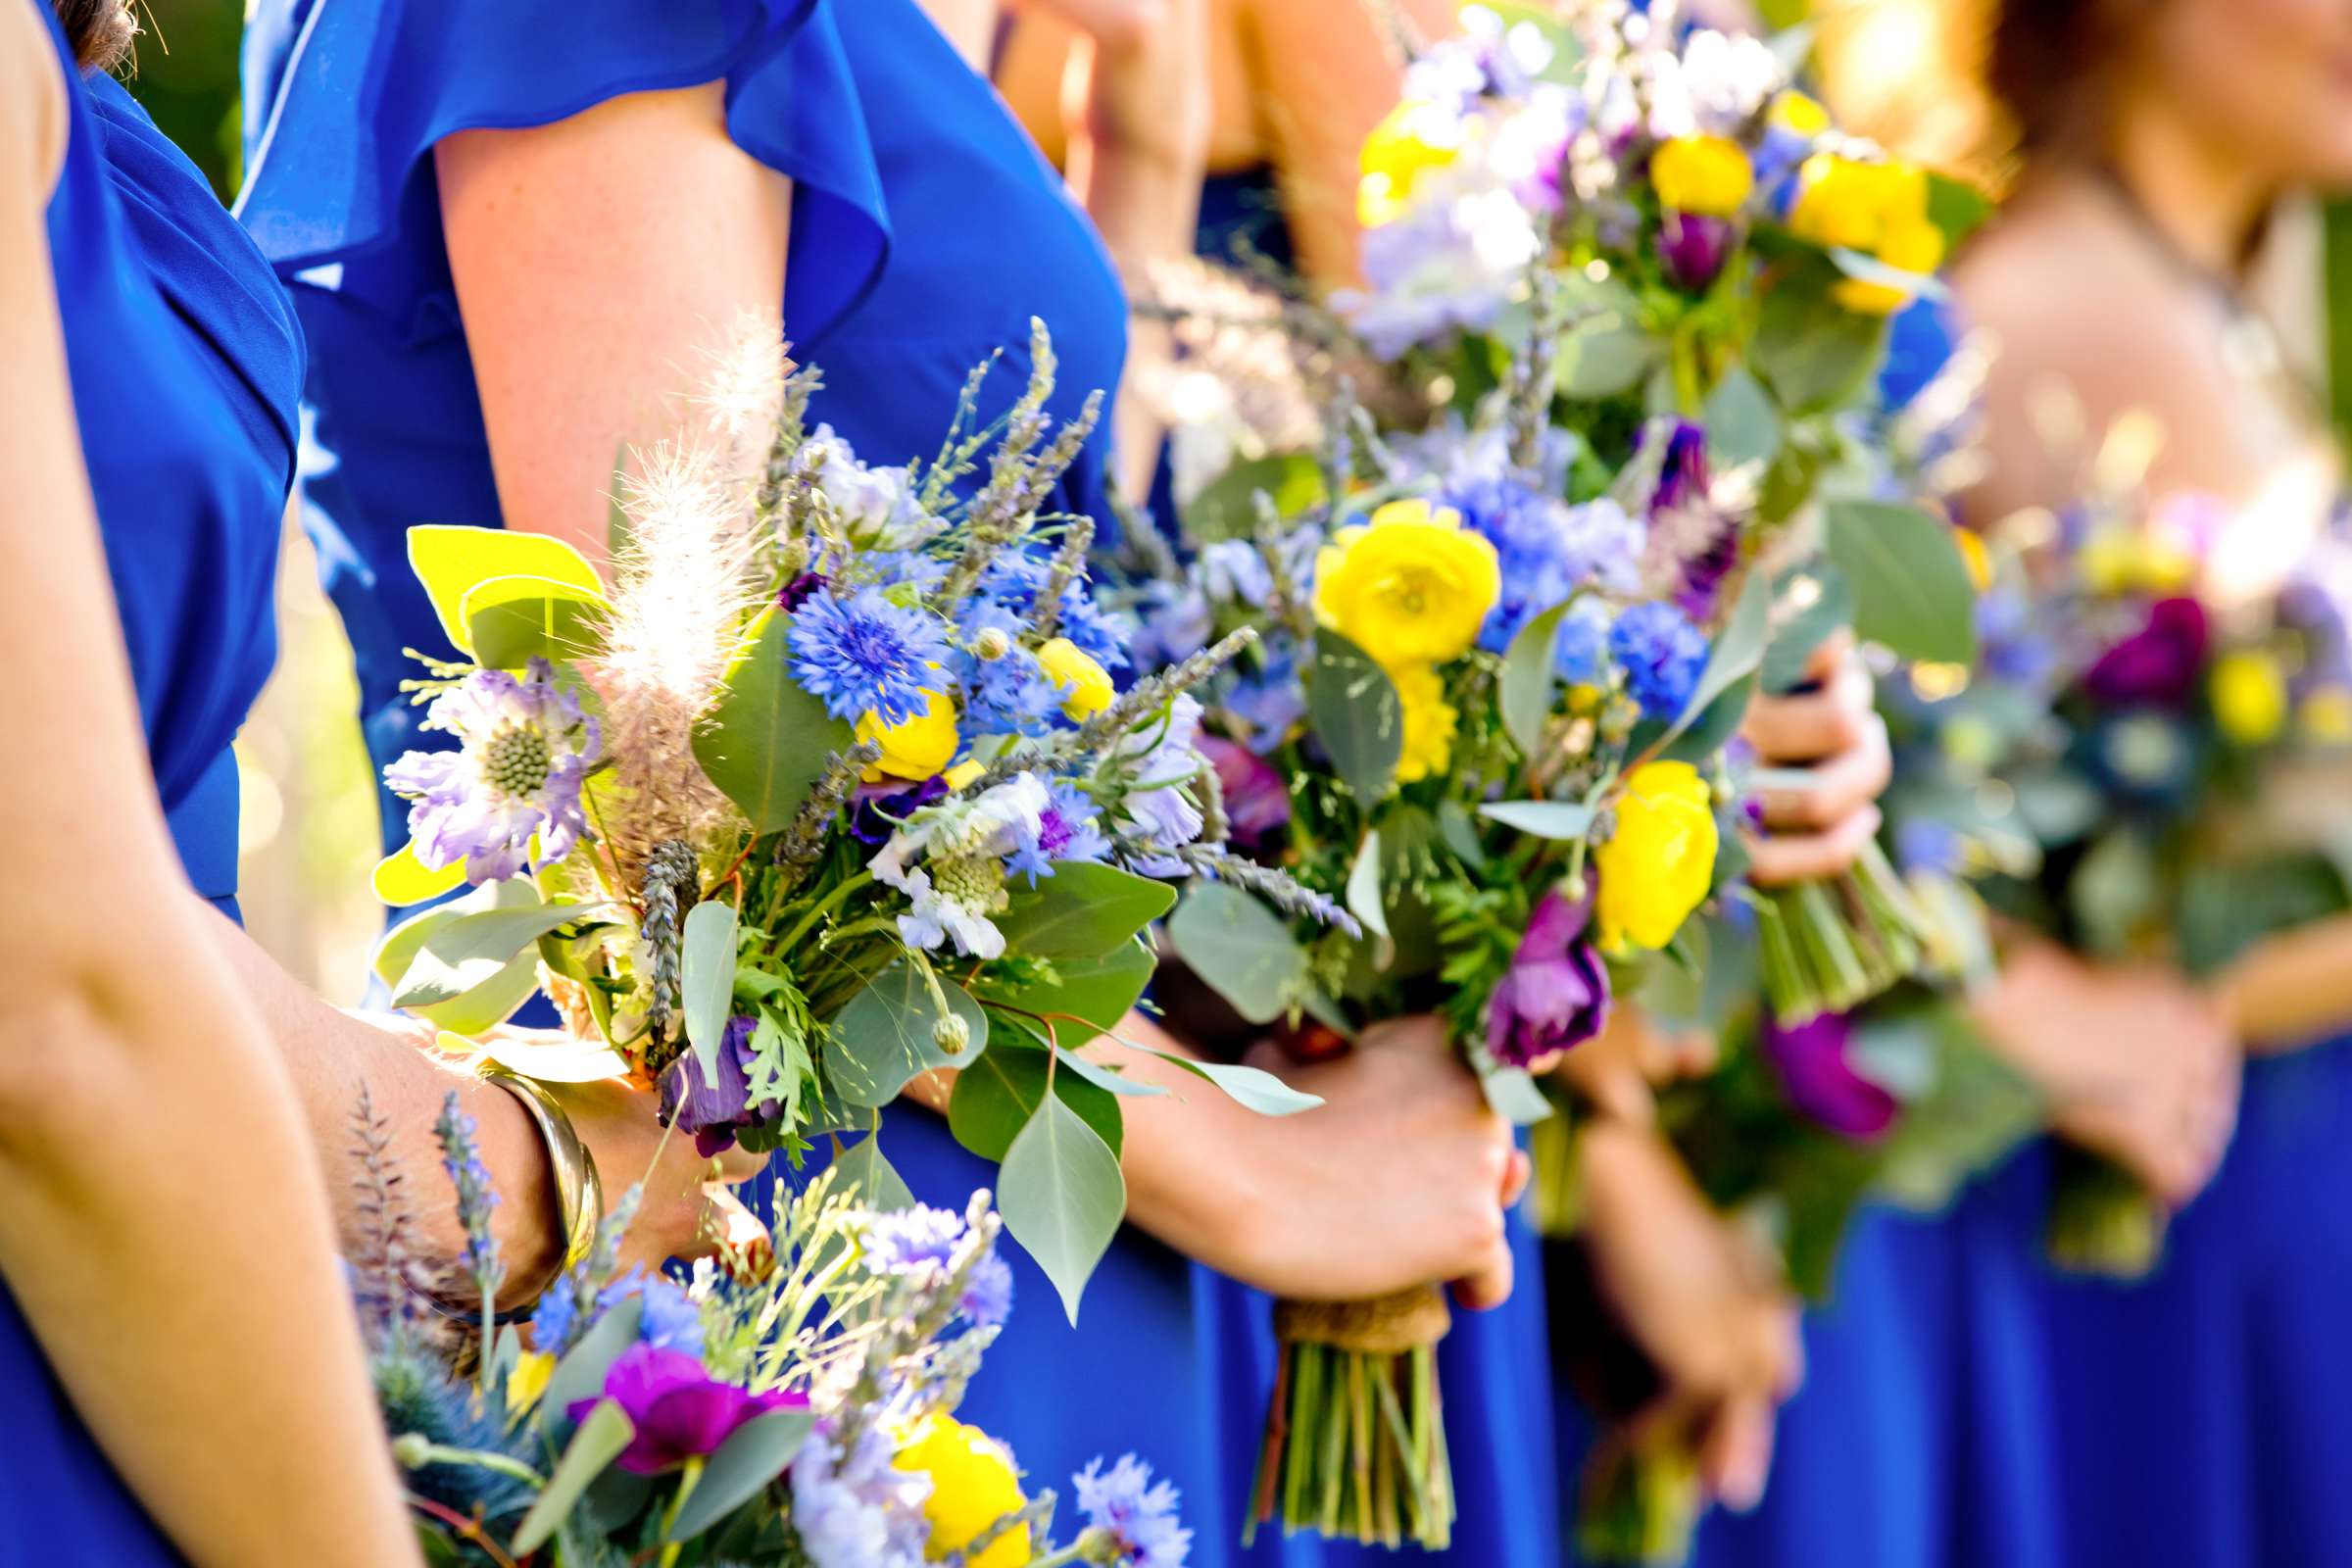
184, 363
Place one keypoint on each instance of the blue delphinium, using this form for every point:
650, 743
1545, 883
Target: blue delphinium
1580, 651
670, 1321
1662, 654
864, 655
1138, 1513
1011, 696
1067, 830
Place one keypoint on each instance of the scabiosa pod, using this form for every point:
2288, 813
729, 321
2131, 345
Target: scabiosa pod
525, 745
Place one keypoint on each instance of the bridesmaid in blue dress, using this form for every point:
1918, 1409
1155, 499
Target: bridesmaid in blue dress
249, 1437
924, 233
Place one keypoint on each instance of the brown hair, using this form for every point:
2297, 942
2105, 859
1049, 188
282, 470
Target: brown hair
2048, 61
100, 31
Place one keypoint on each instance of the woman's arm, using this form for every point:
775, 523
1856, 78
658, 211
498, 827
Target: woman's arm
2290, 990
160, 1221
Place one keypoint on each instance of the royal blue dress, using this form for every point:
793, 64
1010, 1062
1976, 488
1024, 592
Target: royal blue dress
925, 235
185, 366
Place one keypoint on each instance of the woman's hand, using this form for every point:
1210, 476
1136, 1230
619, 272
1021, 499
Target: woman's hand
1833, 732
1617, 1069
689, 1206
1699, 1298
2138, 1064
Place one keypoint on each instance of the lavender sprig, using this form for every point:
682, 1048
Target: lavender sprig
1069, 560
461, 1157
805, 840
1277, 887
671, 880
1094, 737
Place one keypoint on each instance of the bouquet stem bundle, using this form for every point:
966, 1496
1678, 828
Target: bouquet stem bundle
2102, 1220
1355, 1440
1641, 1502
1828, 946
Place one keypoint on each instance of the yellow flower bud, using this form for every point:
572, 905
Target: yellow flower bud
1845, 203
1659, 864
1086, 688
1793, 111
973, 1485
1414, 138
963, 775
528, 1380
1411, 587
1705, 175
2249, 692
915, 747
1975, 556
1428, 723
2326, 716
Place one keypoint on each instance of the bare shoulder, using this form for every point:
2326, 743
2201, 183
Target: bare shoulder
33, 99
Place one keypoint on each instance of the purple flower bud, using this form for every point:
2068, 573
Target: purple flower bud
794, 593
881, 812
1683, 477
680, 1412
2157, 664
1813, 1062
1692, 248
1555, 996
714, 1107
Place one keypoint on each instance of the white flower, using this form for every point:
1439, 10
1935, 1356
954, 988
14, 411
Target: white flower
877, 506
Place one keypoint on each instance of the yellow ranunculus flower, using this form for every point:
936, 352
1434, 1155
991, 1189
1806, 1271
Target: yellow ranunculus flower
1415, 137
1907, 243
973, 1485
2248, 691
1086, 688
1797, 112
915, 747
1705, 175
1411, 587
1659, 864
1429, 721
528, 1381
2326, 716
961, 776
1847, 203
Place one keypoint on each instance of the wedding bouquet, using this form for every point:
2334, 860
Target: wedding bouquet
794, 1406
2137, 770
829, 786
1648, 225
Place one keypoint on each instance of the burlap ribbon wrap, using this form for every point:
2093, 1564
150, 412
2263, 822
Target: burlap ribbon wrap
1387, 1325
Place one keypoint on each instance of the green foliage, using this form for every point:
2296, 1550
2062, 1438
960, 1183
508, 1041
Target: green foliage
1226, 507
893, 1030
1062, 1195
453, 560
511, 620
766, 742
1358, 716
1239, 949
1082, 911
754, 1456
707, 984
1911, 588
1528, 680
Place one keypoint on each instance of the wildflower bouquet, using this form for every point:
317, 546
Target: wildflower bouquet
829, 786
1644, 225
2135, 770
795, 1407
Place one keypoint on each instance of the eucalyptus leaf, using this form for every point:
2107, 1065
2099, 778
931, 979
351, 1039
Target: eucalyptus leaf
400, 945
1512, 1095
1545, 819
1605, 350
1239, 949
1738, 648
766, 741
1109, 1080
1912, 591
1529, 678
1358, 716
1062, 1197
1363, 888
707, 979
1226, 507
451, 560
1700, 738
471, 950
1252, 1088
889, 1033
756, 1453
1827, 607
997, 1098
598, 1442
1742, 425
867, 1175
511, 620
580, 1375
401, 879
1815, 353
1083, 910
1461, 834
1096, 991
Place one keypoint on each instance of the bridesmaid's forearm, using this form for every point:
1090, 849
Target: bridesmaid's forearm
2291, 990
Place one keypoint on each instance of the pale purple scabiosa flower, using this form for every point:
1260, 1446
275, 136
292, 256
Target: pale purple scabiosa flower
1692, 545
916, 1244
960, 881
865, 654
858, 1509
524, 745
1556, 995
712, 1107
1814, 1063
1662, 654
1138, 1513
679, 1411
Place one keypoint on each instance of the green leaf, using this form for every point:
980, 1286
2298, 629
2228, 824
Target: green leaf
451, 560
1357, 715
1815, 353
1738, 648
754, 1454
1545, 819
1824, 602
868, 1175
995, 1098
886, 1035
1110, 1080
401, 879
1252, 1088
1101, 990
1241, 949
1512, 1095
469, 951
1956, 207
1529, 678
706, 981
580, 1375
1365, 900
766, 741
1742, 423
511, 620
1226, 507
1461, 834
1604, 351
1912, 592
1062, 1197
599, 1441
1082, 911
1700, 738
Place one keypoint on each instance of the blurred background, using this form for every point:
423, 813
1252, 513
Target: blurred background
1894, 68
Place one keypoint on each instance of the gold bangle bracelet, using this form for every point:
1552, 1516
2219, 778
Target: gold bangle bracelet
579, 1193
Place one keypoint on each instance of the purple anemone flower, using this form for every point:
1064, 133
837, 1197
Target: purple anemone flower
524, 745
1257, 803
680, 1411
2158, 664
1692, 248
714, 1107
881, 812
1814, 1063
1556, 995
795, 593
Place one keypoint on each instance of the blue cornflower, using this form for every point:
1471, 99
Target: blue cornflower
987, 1299
1010, 695
1662, 654
1174, 623
1102, 635
1066, 830
1138, 1513
461, 1157
1580, 651
670, 1320
865, 654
